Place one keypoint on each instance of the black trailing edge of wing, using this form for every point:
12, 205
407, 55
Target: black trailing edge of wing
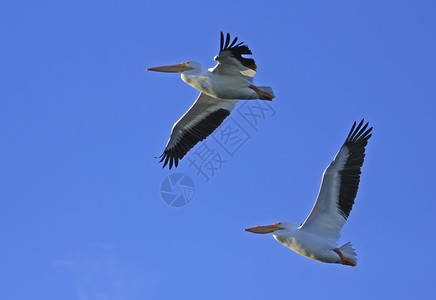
356, 142
237, 51
190, 137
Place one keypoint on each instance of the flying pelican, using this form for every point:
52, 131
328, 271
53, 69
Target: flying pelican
317, 237
220, 88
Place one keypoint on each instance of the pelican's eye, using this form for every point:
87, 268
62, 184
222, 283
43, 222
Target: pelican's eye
185, 63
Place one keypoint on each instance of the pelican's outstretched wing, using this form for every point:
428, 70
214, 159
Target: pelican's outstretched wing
204, 116
339, 185
230, 60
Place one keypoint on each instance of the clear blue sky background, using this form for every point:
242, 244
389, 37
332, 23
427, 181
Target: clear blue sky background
81, 122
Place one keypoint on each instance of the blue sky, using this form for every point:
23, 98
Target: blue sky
81, 122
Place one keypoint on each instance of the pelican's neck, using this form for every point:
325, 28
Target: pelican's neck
285, 234
197, 69
195, 77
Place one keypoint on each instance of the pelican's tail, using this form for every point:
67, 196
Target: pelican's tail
349, 252
268, 90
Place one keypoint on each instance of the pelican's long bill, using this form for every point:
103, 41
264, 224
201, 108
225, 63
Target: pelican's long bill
265, 229
179, 68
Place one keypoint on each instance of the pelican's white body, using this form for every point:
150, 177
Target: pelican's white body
217, 85
309, 244
221, 86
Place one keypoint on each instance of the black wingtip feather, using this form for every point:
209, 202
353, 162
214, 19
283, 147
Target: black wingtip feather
237, 51
356, 142
227, 41
351, 131
357, 129
234, 41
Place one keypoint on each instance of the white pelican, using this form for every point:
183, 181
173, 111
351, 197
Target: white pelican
317, 237
220, 88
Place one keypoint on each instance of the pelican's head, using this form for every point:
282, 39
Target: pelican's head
279, 227
180, 68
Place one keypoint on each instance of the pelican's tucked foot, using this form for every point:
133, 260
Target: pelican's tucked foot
345, 260
263, 95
